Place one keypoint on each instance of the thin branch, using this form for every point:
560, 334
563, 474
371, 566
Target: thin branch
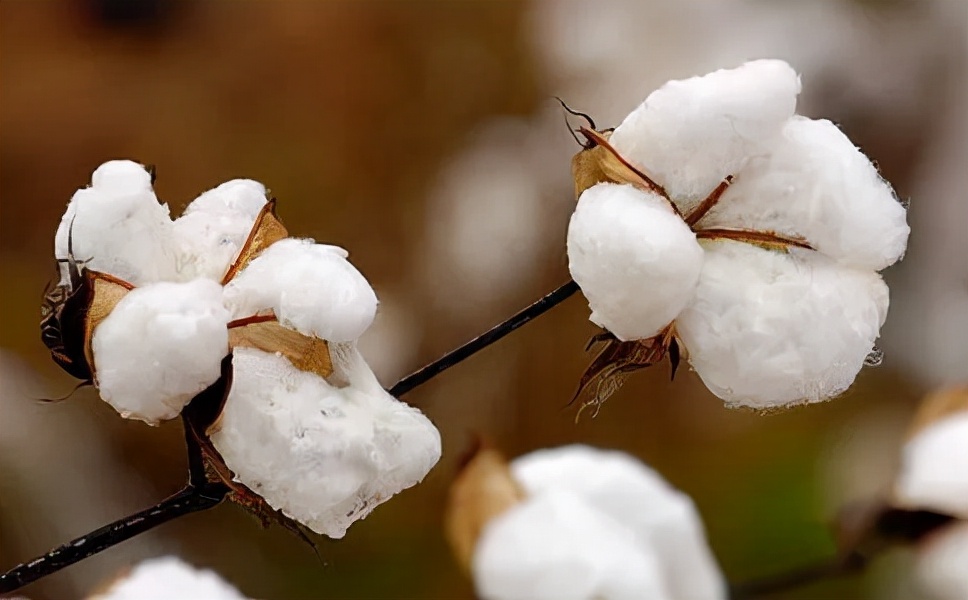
190, 499
484, 340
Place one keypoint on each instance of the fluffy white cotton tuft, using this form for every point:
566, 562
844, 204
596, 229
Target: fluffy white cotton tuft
769, 329
636, 261
630, 493
688, 135
942, 563
556, 546
323, 455
312, 288
162, 344
167, 578
117, 226
816, 184
209, 235
934, 468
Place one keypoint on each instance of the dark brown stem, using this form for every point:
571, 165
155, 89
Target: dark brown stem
710, 201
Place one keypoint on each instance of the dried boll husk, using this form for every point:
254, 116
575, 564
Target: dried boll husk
483, 490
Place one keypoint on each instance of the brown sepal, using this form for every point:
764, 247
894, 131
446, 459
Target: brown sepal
482, 490
266, 230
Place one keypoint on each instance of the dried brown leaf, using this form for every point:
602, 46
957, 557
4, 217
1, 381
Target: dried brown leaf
266, 230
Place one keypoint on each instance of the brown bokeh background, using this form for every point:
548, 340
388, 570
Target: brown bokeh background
421, 136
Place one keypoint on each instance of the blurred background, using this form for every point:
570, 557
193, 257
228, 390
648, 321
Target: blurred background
423, 137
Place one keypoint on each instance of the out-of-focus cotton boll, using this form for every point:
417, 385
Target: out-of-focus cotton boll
934, 468
769, 329
214, 227
942, 563
816, 184
631, 493
312, 288
636, 261
162, 344
167, 578
117, 226
690, 134
556, 546
323, 455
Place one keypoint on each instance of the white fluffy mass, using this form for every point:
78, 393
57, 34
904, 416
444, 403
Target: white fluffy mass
161, 345
769, 329
213, 228
688, 135
311, 288
589, 517
323, 455
168, 578
636, 260
763, 325
934, 468
942, 563
117, 226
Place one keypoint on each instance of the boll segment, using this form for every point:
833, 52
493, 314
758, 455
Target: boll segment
323, 455
934, 467
166, 578
771, 289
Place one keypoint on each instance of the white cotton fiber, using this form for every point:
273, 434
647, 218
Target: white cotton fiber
934, 468
660, 516
117, 226
816, 184
557, 546
769, 329
161, 345
636, 261
688, 135
168, 578
942, 563
215, 226
312, 288
323, 455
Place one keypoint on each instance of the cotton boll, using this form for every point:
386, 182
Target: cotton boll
636, 261
631, 493
312, 288
161, 345
690, 134
166, 578
556, 546
816, 184
934, 468
117, 226
323, 455
769, 329
942, 563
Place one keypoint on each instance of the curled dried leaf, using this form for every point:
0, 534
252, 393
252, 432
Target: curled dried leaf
483, 490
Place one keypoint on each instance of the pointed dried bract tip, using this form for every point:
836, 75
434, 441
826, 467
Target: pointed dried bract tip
483, 489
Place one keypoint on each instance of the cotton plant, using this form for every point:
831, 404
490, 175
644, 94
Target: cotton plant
220, 303
166, 578
715, 223
577, 523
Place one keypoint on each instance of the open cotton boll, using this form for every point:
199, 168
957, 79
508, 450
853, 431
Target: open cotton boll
631, 493
769, 329
117, 226
942, 563
934, 468
312, 288
323, 455
690, 134
161, 345
816, 184
556, 546
635, 260
167, 578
